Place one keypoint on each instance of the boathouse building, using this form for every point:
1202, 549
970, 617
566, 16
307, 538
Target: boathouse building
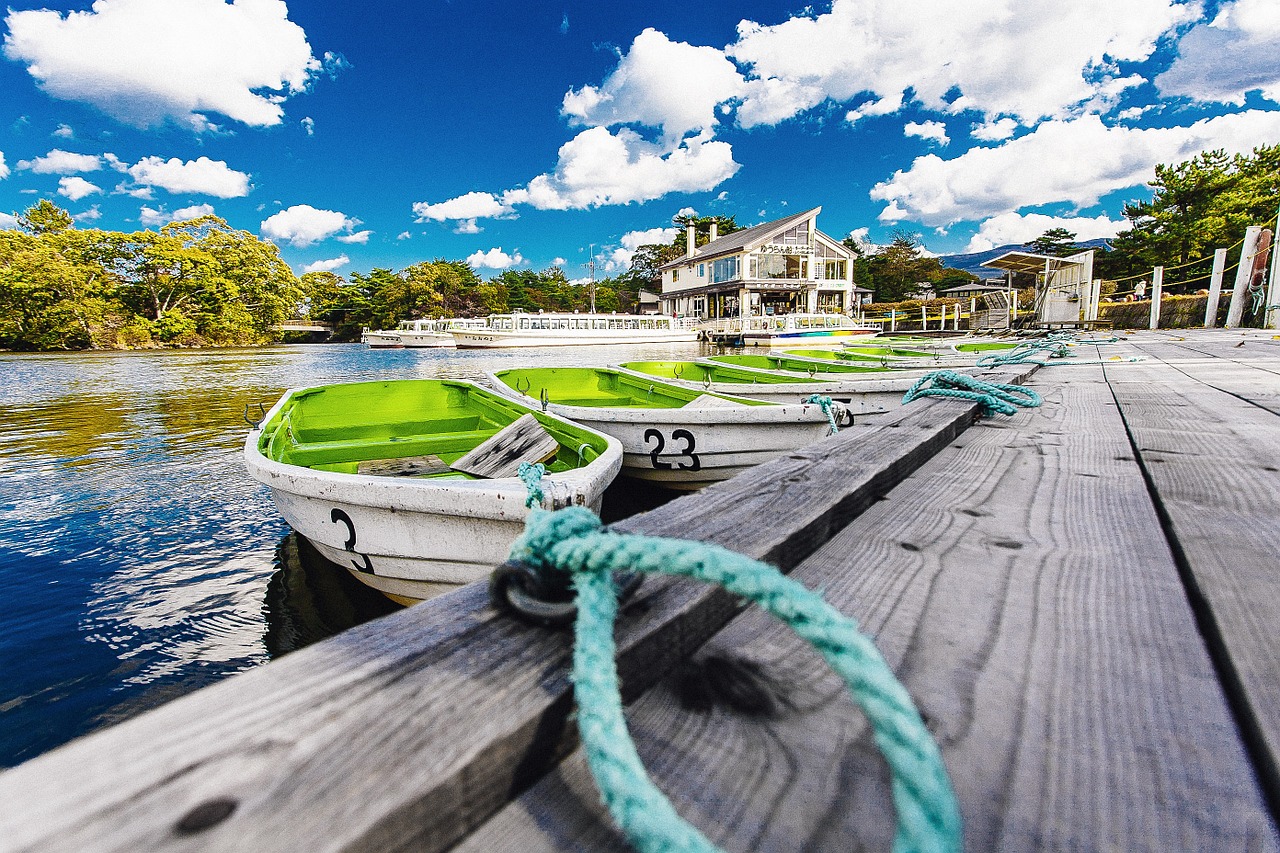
779, 267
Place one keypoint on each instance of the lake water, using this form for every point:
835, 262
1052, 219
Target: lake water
138, 561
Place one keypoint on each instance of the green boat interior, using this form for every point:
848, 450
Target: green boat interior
987, 347
835, 355
693, 371
796, 365
336, 427
895, 352
602, 388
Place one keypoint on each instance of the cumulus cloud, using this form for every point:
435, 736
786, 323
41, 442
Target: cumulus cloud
76, 188
361, 237
303, 225
471, 206
203, 176
495, 259
949, 62
328, 265
934, 131
151, 216
1076, 162
598, 167
59, 162
994, 131
93, 214
147, 61
467, 226
64, 131
4, 168
309, 125
659, 83
8, 220
1019, 228
620, 258
1233, 54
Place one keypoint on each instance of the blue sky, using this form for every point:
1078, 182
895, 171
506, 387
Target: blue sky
515, 135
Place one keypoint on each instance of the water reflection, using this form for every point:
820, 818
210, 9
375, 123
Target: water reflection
135, 553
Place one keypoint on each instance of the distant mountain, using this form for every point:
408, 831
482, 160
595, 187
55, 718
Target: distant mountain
973, 262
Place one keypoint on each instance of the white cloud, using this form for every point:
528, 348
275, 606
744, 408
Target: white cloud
357, 237
403, 235
145, 61
934, 131
8, 220
620, 258
559, 262
1019, 228
949, 62
4, 168
309, 125
600, 168
495, 259
76, 188
195, 211
64, 131
994, 131
328, 265
302, 225
59, 162
467, 226
473, 205
150, 216
1231, 55
203, 176
93, 214
659, 83
1076, 162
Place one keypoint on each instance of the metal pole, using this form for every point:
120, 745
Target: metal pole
1157, 281
1215, 288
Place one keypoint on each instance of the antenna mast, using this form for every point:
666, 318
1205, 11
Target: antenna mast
591, 265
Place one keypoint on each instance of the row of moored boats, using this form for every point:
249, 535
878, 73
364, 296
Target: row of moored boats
413, 486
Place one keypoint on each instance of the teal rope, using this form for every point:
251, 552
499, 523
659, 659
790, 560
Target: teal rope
531, 474
573, 540
995, 397
827, 406
1055, 346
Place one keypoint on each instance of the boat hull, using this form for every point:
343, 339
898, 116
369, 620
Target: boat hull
412, 537
578, 337
690, 448
818, 336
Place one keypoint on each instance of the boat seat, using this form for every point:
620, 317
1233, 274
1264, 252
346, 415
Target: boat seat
438, 444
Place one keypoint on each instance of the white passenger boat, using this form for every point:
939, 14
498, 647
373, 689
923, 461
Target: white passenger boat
381, 339
801, 328
676, 437
421, 333
564, 329
383, 477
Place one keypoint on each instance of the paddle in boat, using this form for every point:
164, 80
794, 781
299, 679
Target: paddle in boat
412, 484
558, 330
677, 437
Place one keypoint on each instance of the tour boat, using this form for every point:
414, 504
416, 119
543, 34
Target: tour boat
801, 328
573, 329
433, 333
859, 397
381, 339
371, 473
676, 437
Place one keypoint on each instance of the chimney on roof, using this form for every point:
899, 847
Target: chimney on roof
713, 231
689, 232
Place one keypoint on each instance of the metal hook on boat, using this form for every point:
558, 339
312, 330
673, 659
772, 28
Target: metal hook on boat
523, 384
706, 383
521, 590
678, 370
544, 398
813, 370
255, 424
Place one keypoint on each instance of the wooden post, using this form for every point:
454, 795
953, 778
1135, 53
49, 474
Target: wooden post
973, 311
1271, 312
924, 319
1243, 269
1215, 288
1095, 298
1157, 281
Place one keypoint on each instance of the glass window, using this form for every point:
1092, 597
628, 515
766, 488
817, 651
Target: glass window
834, 270
702, 270
725, 269
675, 275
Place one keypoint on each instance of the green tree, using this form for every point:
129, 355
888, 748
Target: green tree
45, 217
1058, 242
894, 271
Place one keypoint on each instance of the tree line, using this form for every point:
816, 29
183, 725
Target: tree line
203, 283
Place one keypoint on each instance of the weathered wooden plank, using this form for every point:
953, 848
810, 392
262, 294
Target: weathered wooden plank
1252, 376
710, 401
409, 466
1020, 585
522, 440
406, 732
1217, 488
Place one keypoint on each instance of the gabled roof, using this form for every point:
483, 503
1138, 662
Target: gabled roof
739, 240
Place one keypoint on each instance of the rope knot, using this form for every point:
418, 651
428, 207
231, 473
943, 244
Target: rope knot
827, 406
543, 530
994, 397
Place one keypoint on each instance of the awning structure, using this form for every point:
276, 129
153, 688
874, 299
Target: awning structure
1031, 263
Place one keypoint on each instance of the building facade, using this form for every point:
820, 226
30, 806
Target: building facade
780, 267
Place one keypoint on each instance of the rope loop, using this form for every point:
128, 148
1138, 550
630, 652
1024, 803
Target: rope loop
995, 397
828, 407
573, 542
530, 474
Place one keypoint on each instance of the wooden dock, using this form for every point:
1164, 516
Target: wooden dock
1081, 599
